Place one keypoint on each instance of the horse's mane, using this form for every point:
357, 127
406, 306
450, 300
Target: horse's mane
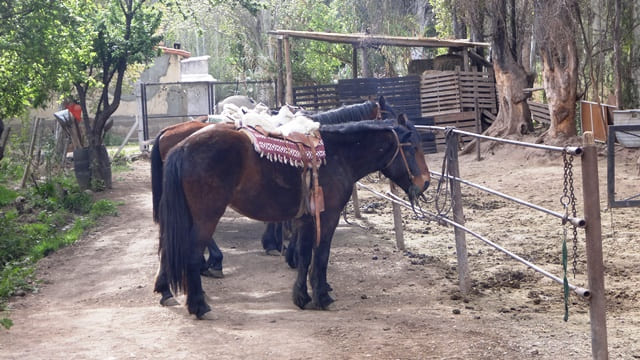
358, 126
347, 113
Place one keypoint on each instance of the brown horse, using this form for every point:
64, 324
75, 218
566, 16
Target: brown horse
172, 135
216, 168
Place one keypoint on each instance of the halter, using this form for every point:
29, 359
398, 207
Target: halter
401, 151
379, 111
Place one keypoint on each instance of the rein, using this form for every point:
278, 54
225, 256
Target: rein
401, 152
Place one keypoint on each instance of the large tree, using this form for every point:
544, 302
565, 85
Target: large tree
32, 37
555, 31
507, 21
109, 36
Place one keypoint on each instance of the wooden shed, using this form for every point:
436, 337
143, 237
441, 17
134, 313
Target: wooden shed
440, 98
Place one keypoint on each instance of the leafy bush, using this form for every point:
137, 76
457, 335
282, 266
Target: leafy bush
7, 196
64, 213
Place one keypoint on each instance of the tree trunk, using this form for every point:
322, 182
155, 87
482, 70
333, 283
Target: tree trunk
511, 79
92, 168
4, 135
555, 29
514, 116
617, 54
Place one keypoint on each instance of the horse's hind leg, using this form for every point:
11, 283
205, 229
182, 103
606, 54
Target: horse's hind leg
196, 303
213, 266
162, 286
272, 238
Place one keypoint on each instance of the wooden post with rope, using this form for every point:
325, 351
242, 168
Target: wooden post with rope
593, 238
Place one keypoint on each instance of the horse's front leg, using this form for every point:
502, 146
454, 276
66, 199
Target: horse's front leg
318, 276
304, 239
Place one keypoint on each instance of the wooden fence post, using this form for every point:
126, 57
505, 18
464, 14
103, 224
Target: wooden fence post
478, 123
397, 219
458, 215
593, 236
288, 96
27, 168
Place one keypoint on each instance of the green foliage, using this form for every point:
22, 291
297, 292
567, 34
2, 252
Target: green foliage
103, 208
32, 32
56, 213
7, 196
6, 323
10, 170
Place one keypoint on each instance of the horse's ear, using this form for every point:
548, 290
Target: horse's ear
382, 102
402, 119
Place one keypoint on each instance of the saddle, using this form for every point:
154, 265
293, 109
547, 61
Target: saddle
300, 150
295, 149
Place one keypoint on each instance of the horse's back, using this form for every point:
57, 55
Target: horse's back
173, 134
222, 166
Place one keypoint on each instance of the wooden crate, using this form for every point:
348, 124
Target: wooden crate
465, 121
439, 93
450, 98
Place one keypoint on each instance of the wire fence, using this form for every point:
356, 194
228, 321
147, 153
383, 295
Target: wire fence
449, 187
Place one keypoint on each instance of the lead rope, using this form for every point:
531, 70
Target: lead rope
444, 183
568, 200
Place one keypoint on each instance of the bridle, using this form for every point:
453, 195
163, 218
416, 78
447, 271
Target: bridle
381, 112
399, 150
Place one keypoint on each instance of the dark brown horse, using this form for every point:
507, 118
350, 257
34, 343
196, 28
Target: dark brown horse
216, 168
172, 135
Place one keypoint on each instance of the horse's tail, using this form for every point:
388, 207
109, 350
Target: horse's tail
175, 222
156, 176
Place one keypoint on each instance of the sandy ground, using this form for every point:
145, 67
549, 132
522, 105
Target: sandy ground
96, 298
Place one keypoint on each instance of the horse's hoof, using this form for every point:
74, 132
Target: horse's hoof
206, 316
311, 306
273, 252
217, 274
323, 302
302, 300
170, 301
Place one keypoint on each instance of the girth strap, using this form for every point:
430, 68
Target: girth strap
314, 204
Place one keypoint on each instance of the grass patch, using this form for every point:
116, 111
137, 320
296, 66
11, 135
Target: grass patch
38, 221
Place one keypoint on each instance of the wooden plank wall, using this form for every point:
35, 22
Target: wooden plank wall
450, 97
357, 91
316, 98
401, 93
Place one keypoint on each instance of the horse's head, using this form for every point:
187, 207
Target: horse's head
386, 111
407, 167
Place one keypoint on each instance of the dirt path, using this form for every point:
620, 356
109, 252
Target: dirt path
96, 300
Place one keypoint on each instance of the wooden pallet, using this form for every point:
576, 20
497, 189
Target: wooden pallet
539, 112
465, 121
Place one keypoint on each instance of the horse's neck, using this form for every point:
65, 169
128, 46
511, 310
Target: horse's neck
361, 156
